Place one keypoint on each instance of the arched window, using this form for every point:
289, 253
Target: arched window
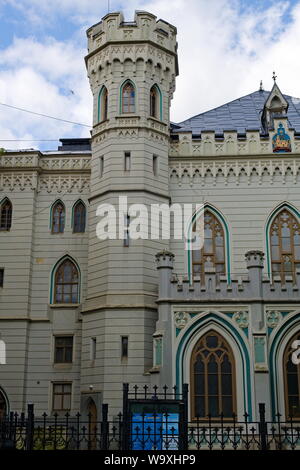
79, 216
213, 378
58, 217
102, 104
285, 244
5, 215
154, 102
128, 98
212, 254
291, 379
66, 283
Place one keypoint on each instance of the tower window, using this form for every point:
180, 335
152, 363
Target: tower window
127, 161
155, 165
128, 98
124, 347
154, 102
93, 346
1, 277
127, 223
5, 215
103, 104
101, 166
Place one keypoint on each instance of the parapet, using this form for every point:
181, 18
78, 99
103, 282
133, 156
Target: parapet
145, 27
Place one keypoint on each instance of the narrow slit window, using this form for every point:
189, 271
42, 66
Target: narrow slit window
1, 277
101, 166
124, 347
93, 345
126, 237
155, 165
127, 161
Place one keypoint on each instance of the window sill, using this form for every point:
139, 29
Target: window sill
62, 365
128, 115
64, 305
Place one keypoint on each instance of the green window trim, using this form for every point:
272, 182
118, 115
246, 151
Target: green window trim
214, 319
275, 212
227, 241
51, 211
99, 103
72, 215
160, 100
52, 276
121, 95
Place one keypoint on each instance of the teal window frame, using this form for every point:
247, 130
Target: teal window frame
52, 278
272, 216
224, 224
100, 104
159, 95
73, 215
121, 96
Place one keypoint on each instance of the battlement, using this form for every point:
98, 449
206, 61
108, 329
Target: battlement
252, 286
145, 28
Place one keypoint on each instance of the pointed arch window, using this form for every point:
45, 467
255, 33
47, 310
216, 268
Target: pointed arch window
66, 283
291, 380
103, 104
154, 102
5, 215
128, 98
212, 254
79, 217
58, 218
213, 384
285, 244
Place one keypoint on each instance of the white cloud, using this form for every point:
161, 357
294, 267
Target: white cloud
223, 54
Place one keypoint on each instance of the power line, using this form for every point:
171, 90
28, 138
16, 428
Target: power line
29, 140
45, 115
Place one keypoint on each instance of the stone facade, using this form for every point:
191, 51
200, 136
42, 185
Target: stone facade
145, 291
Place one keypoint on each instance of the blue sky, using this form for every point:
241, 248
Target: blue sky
225, 48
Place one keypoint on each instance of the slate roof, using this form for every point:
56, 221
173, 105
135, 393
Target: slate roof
240, 115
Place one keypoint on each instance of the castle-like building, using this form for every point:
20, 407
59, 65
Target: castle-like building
79, 315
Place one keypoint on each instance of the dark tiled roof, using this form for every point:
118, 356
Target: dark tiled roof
239, 115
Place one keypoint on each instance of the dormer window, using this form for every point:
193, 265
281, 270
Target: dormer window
275, 106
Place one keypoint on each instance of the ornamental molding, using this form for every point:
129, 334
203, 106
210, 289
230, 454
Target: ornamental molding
242, 319
63, 184
274, 317
181, 319
211, 172
18, 181
18, 161
65, 163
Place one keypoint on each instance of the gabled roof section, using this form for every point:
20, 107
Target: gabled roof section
241, 115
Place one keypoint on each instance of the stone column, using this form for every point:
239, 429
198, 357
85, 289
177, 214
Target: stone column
165, 264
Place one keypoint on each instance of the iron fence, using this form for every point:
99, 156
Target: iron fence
151, 424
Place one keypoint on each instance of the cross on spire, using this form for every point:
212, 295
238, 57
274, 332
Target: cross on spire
274, 77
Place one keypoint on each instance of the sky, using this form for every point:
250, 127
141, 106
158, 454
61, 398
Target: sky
225, 48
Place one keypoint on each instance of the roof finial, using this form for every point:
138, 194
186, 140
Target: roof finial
274, 77
261, 87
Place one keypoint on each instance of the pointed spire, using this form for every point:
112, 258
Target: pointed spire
261, 87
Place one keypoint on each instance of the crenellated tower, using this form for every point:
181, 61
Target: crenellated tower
132, 68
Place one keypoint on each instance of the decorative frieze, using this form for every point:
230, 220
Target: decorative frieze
65, 163
63, 184
18, 181
236, 171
